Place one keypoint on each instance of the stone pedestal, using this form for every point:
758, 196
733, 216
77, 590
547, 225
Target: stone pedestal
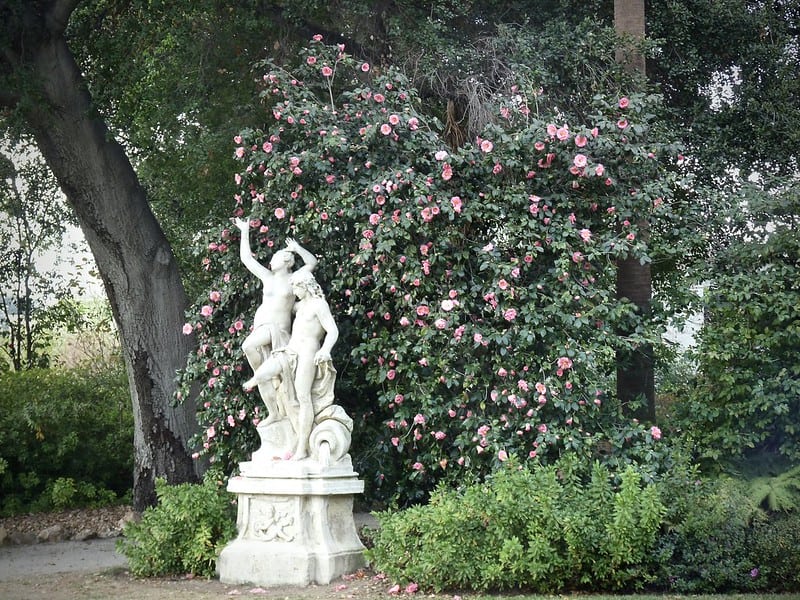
295, 526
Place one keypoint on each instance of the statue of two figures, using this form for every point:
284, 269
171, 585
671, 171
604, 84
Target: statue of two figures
289, 350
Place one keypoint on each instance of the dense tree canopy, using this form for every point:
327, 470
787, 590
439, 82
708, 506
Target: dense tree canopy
159, 88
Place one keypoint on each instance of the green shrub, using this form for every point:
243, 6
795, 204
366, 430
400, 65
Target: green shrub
65, 492
64, 429
183, 534
704, 547
547, 530
775, 551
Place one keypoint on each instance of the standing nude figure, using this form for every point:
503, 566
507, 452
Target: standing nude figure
314, 332
273, 319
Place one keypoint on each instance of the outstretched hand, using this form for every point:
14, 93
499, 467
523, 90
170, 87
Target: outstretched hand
243, 225
292, 245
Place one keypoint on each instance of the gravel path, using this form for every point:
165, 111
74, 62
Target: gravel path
27, 560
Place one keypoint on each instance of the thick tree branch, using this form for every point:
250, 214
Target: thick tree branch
58, 14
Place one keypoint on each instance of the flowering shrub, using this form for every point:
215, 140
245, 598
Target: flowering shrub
473, 286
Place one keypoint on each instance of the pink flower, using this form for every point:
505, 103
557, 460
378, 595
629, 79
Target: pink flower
238, 325
215, 296
440, 155
502, 372
418, 466
280, 213
448, 305
562, 133
187, 329
317, 37
497, 168
447, 172
379, 98
542, 428
395, 441
502, 456
411, 588
457, 204
419, 419
391, 374
386, 129
365, 67
552, 130
413, 123
394, 119
655, 432
326, 71
487, 146
510, 314
580, 140
622, 123
440, 435
206, 310
394, 590
311, 60
423, 310
585, 234
579, 161
564, 363
623, 102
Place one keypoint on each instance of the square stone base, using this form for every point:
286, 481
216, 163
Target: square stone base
292, 531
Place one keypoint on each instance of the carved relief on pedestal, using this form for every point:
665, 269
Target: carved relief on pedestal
272, 523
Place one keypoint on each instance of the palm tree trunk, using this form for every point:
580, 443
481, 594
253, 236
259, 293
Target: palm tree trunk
635, 378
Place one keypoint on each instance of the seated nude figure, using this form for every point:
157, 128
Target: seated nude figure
314, 333
273, 318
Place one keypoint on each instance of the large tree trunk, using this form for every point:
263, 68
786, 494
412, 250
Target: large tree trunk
634, 369
134, 259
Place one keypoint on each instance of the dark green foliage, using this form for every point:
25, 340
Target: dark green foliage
548, 530
705, 545
747, 391
775, 551
184, 533
716, 539
67, 438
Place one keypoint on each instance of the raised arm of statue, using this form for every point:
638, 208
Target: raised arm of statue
246, 254
309, 260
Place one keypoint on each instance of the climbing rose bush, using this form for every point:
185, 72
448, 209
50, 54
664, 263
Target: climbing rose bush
473, 286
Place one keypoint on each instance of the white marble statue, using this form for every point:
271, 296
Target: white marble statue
291, 361
295, 496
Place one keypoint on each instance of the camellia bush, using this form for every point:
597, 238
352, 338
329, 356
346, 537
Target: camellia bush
474, 287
